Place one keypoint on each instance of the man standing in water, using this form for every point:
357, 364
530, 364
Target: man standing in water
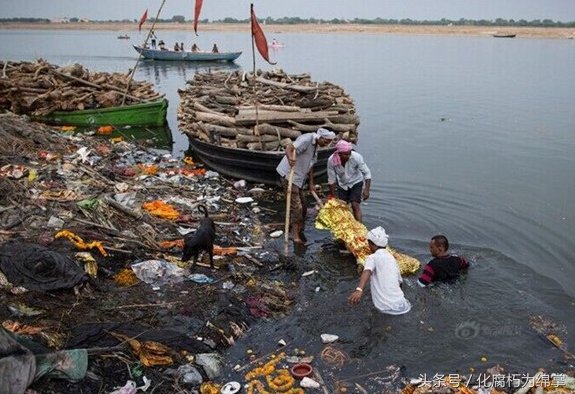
347, 171
444, 266
382, 271
301, 155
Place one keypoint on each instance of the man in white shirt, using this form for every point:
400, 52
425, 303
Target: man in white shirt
382, 271
347, 171
301, 155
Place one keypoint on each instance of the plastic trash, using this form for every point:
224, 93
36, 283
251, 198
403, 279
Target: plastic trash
158, 272
200, 278
309, 383
240, 185
276, 234
190, 374
211, 363
329, 338
244, 200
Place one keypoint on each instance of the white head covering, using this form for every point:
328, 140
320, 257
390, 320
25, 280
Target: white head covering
378, 236
325, 133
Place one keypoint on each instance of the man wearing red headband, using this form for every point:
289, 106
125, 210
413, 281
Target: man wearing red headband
347, 171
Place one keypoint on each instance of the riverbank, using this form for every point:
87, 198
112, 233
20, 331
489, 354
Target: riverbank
521, 32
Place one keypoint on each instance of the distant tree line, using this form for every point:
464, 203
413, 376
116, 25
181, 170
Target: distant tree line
337, 21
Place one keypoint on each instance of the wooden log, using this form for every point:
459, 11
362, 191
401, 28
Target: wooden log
266, 128
227, 100
268, 146
297, 88
222, 120
283, 117
304, 127
344, 119
222, 130
256, 138
202, 108
268, 107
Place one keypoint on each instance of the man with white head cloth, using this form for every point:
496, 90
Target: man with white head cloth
301, 155
385, 279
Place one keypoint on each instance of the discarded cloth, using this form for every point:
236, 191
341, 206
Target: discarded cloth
36, 267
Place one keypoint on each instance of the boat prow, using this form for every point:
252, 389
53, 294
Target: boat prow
159, 54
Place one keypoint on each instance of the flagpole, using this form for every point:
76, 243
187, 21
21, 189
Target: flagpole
253, 38
144, 46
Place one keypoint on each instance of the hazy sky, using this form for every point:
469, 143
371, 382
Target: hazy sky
557, 10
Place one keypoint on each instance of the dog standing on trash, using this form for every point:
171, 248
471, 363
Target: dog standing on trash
202, 239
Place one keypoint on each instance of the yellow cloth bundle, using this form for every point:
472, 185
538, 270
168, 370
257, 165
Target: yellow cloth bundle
337, 217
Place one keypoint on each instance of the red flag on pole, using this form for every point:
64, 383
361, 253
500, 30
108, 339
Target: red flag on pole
143, 19
259, 37
197, 10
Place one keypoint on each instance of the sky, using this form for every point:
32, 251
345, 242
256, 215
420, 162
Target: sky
557, 10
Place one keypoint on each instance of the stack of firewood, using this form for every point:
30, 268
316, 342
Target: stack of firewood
39, 88
262, 112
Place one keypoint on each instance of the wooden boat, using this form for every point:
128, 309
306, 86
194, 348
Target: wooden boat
152, 113
124, 37
158, 54
251, 165
501, 35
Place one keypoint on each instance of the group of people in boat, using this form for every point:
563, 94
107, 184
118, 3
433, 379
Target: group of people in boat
178, 47
349, 179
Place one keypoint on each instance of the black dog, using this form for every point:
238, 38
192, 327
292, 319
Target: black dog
202, 239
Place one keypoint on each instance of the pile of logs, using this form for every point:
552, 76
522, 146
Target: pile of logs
39, 88
265, 112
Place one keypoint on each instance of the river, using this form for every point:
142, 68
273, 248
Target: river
472, 137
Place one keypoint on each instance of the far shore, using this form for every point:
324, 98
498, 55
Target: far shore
521, 32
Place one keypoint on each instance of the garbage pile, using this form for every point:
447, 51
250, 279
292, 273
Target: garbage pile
40, 88
263, 112
91, 235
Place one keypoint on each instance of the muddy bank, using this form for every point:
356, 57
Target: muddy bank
488, 31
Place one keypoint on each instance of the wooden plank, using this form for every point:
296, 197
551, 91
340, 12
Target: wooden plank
282, 117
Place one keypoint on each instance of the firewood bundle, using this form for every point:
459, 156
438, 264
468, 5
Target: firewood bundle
39, 88
262, 112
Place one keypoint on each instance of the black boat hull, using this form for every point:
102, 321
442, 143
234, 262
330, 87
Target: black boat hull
254, 166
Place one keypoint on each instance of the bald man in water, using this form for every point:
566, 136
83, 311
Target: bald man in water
444, 266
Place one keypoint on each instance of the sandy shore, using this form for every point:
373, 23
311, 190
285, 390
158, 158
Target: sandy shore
532, 32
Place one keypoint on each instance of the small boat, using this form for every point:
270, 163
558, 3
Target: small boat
501, 35
276, 45
123, 37
251, 165
159, 54
151, 113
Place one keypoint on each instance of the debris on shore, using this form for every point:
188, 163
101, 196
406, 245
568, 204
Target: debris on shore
265, 112
91, 232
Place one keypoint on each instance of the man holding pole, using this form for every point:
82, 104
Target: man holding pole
294, 168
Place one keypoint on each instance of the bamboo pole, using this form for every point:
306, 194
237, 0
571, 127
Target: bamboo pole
140, 54
288, 208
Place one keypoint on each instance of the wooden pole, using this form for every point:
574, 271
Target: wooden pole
253, 47
288, 208
140, 54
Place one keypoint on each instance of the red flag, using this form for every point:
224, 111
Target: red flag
142, 20
197, 10
259, 37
